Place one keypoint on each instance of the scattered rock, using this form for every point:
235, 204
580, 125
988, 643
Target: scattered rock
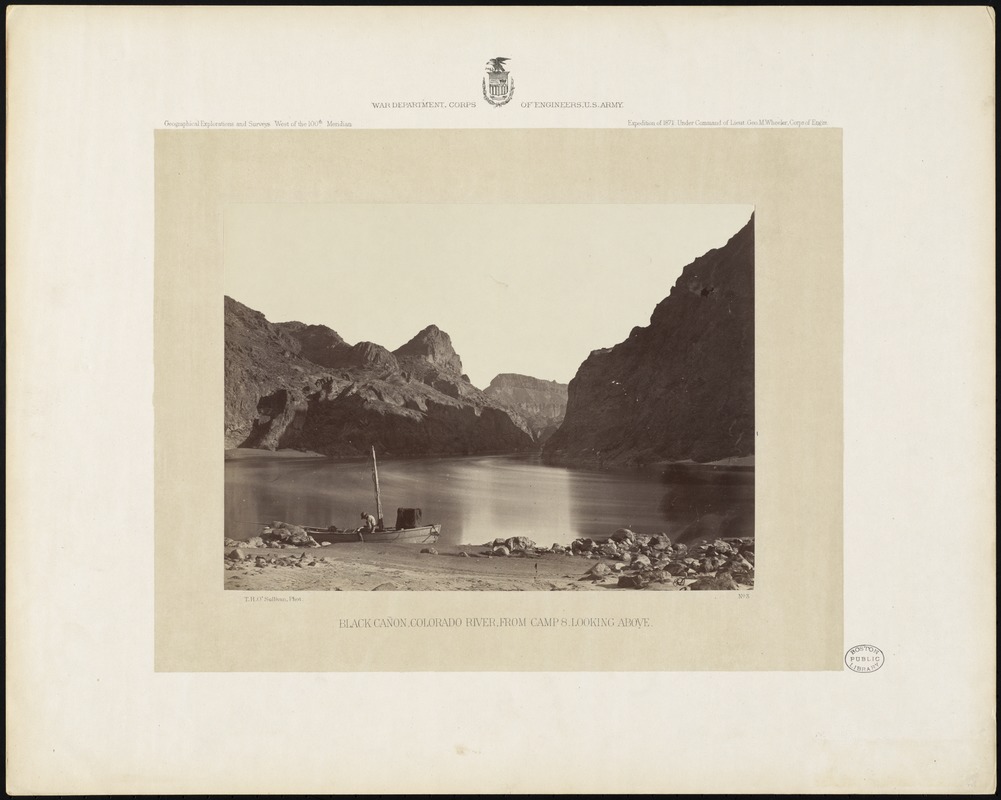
430, 551
609, 550
255, 541
463, 554
722, 547
599, 570
385, 587
519, 544
618, 566
722, 581
623, 535
633, 581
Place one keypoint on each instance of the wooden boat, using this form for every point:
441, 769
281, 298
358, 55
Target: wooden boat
408, 527
425, 533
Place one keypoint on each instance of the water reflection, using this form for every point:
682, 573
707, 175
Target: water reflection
477, 499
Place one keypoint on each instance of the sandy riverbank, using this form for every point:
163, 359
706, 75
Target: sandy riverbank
404, 567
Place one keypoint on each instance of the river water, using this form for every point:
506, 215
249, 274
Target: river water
480, 498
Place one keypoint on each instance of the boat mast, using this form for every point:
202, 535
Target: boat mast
378, 495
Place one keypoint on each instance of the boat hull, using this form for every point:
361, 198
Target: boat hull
423, 534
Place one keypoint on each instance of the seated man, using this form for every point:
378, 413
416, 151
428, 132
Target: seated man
369, 524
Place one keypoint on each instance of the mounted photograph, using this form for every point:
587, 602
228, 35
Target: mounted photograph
496, 397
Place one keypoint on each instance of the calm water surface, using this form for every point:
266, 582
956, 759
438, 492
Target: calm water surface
477, 499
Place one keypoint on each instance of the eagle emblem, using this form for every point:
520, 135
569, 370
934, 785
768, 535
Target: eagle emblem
498, 85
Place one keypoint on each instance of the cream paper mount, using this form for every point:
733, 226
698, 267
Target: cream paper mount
792, 620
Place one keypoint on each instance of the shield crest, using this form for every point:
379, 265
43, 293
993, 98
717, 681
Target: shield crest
498, 85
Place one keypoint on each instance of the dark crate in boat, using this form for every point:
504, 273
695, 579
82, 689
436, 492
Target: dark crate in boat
408, 518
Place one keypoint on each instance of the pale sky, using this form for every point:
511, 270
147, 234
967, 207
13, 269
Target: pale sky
531, 289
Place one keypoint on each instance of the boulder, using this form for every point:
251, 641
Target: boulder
722, 548
227, 542
429, 551
676, 568
609, 550
463, 554
582, 545
498, 543
384, 587
641, 561
255, 541
519, 544
501, 550
298, 536
660, 542
236, 555
623, 535
722, 581
618, 566
273, 535
633, 581
600, 570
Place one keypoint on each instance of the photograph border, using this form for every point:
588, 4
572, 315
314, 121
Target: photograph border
792, 619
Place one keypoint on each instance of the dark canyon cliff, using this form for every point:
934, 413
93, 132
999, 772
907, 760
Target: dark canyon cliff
681, 388
540, 404
292, 385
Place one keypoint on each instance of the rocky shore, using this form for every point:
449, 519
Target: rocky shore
285, 557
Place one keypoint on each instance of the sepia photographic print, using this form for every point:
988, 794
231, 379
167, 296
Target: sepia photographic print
541, 380
503, 397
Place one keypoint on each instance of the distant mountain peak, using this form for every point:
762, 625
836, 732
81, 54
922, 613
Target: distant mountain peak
540, 404
434, 346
